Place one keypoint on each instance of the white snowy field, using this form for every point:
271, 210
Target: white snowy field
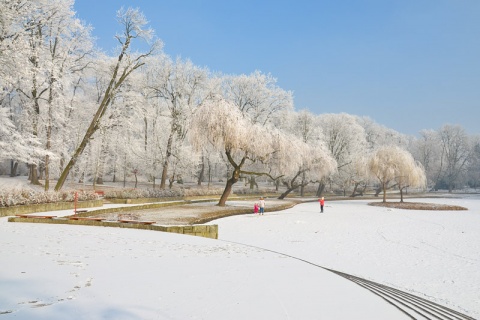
80, 272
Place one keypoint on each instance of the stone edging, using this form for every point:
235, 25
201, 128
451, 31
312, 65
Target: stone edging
206, 231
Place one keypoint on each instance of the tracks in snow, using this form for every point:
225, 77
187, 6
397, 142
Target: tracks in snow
412, 306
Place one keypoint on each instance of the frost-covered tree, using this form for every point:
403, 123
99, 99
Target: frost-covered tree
12, 144
245, 144
133, 23
44, 46
181, 86
315, 159
313, 164
345, 139
378, 135
410, 173
426, 149
473, 169
257, 96
455, 154
392, 164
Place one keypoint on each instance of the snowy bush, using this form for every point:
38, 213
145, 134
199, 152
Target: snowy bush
248, 191
143, 193
161, 193
203, 192
9, 198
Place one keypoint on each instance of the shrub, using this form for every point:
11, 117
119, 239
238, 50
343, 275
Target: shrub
259, 191
143, 193
161, 193
9, 198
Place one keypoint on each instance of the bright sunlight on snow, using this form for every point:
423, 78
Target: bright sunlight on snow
80, 272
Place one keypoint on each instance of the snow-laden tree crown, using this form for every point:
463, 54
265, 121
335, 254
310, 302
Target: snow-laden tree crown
69, 112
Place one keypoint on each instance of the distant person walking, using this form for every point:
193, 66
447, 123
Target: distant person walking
255, 208
261, 203
322, 203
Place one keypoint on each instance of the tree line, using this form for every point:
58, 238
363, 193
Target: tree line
70, 112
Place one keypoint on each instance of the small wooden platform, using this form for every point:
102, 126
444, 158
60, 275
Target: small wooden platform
35, 216
136, 221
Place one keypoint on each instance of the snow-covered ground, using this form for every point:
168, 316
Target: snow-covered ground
79, 272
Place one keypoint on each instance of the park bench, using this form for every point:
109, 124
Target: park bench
136, 221
35, 216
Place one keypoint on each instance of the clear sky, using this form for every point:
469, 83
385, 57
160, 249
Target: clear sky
407, 64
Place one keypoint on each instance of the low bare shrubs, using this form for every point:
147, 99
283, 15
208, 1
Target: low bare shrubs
202, 191
161, 193
259, 191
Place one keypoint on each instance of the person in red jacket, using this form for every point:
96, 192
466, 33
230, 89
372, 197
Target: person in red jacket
322, 203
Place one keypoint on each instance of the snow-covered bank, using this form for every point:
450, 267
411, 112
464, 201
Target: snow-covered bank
76, 272
433, 254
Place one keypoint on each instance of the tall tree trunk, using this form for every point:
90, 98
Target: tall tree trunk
49, 142
235, 176
302, 187
209, 173
384, 187
33, 167
13, 168
47, 172
34, 175
101, 159
227, 191
355, 189
114, 84
287, 192
125, 170
201, 174
167, 159
253, 182
321, 188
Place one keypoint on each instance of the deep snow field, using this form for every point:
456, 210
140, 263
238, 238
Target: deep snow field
80, 272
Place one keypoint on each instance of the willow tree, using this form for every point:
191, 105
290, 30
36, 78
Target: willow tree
133, 23
314, 163
249, 147
392, 165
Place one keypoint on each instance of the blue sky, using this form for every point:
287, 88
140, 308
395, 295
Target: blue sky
407, 64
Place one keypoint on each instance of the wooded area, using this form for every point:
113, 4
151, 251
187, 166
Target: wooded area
68, 111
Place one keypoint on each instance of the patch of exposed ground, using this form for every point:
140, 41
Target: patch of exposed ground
417, 206
198, 213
